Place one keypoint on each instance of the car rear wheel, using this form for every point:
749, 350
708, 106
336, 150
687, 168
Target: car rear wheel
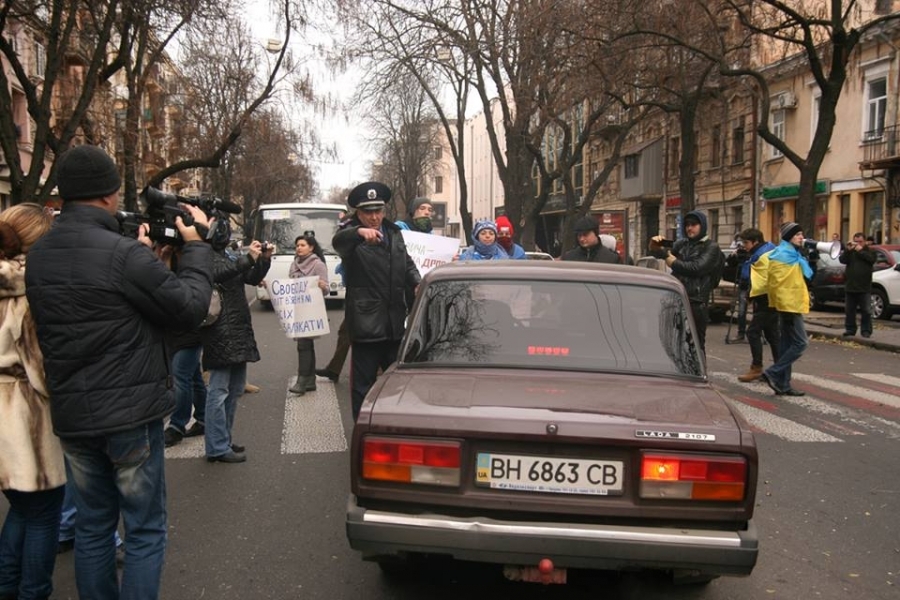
813, 302
401, 567
881, 306
690, 577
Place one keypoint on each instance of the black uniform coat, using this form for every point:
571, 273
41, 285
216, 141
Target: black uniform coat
229, 341
101, 302
378, 278
860, 264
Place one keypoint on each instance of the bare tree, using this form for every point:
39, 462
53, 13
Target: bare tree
405, 133
392, 41
84, 44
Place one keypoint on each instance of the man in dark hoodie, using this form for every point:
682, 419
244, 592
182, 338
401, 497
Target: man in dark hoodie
587, 234
419, 214
697, 262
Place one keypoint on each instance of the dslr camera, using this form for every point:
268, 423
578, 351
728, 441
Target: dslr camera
162, 208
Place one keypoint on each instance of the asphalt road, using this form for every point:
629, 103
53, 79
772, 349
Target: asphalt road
273, 527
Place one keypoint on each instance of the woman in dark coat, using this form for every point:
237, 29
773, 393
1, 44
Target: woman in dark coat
228, 344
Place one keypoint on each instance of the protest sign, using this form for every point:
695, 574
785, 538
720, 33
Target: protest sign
300, 306
429, 251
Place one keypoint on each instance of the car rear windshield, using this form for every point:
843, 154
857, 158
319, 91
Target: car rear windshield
553, 325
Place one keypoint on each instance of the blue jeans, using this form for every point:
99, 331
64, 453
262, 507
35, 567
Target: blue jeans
226, 385
119, 473
863, 300
190, 391
67, 516
793, 344
28, 543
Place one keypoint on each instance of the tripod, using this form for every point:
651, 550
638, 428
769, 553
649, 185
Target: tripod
732, 311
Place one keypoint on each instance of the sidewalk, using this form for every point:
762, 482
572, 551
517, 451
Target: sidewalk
885, 337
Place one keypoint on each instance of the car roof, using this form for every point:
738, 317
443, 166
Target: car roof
318, 205
540, 270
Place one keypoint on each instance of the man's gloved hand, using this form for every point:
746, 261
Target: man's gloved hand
670, 258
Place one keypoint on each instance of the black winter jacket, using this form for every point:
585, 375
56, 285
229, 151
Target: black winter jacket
379, 279
860, 264
229, 341
101, 302
597, 254
696, 262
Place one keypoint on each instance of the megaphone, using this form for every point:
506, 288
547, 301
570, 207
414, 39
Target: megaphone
832, 249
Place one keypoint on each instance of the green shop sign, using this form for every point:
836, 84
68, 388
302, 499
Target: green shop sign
792, 191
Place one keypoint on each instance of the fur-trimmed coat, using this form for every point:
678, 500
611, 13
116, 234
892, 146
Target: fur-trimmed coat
31, 458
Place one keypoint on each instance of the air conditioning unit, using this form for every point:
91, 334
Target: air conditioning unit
786, 100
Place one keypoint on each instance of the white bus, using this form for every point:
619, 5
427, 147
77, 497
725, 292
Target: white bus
280, 224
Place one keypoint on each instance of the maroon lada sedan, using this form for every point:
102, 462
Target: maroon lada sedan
546, 416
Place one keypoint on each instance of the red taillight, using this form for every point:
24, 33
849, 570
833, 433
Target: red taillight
548, 351
695, 477
837, 278
434, 462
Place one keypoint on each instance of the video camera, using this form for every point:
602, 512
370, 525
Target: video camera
162, 208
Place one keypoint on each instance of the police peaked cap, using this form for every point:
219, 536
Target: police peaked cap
370, 195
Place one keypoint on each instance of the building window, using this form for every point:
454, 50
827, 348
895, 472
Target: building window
716, 146
632, 165
713, 231
737, 142
737, 217
438, 184
438, 152
845, 216
821, 219
873, 203
777, 130
876, 104
40, 60
882, 7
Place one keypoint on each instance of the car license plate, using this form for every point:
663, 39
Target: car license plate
546, 474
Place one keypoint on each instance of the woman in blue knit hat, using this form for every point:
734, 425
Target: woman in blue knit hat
485, 246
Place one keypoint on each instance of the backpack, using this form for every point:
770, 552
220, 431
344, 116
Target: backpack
715, 277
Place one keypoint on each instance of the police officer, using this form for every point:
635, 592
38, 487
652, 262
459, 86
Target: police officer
379, 276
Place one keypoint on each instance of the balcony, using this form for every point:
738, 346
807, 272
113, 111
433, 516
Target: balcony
881, 149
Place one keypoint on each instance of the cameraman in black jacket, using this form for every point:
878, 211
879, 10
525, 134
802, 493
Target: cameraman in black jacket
101, 302
695, 262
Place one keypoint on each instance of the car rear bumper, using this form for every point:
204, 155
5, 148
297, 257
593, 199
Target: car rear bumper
380, 533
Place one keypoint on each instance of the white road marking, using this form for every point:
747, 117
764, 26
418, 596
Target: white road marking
781, 427
854, 391
879, 378
849, 415
192, 447
312, 422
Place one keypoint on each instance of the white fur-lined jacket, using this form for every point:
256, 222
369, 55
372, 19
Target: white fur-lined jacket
31, 458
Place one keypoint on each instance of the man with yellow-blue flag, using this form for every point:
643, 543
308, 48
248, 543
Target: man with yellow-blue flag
786, 273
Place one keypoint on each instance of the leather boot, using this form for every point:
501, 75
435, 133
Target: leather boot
753, 374
306, 365
311, 368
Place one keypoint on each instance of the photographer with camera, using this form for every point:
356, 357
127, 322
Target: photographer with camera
860, 261
228, 344
101, 302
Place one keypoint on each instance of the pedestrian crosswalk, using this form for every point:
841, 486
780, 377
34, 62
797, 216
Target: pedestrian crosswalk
836, 407
312, 424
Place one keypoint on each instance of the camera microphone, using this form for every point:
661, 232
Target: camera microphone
226, 206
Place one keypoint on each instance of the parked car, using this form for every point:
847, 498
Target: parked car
827, 284
886, 292
538, 256
545, 416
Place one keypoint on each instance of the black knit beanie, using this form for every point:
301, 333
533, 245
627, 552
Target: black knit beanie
86, 173
789, 230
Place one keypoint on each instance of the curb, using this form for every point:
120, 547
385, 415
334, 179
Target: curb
817, 330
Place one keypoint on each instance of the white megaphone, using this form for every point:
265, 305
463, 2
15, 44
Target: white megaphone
832, 249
